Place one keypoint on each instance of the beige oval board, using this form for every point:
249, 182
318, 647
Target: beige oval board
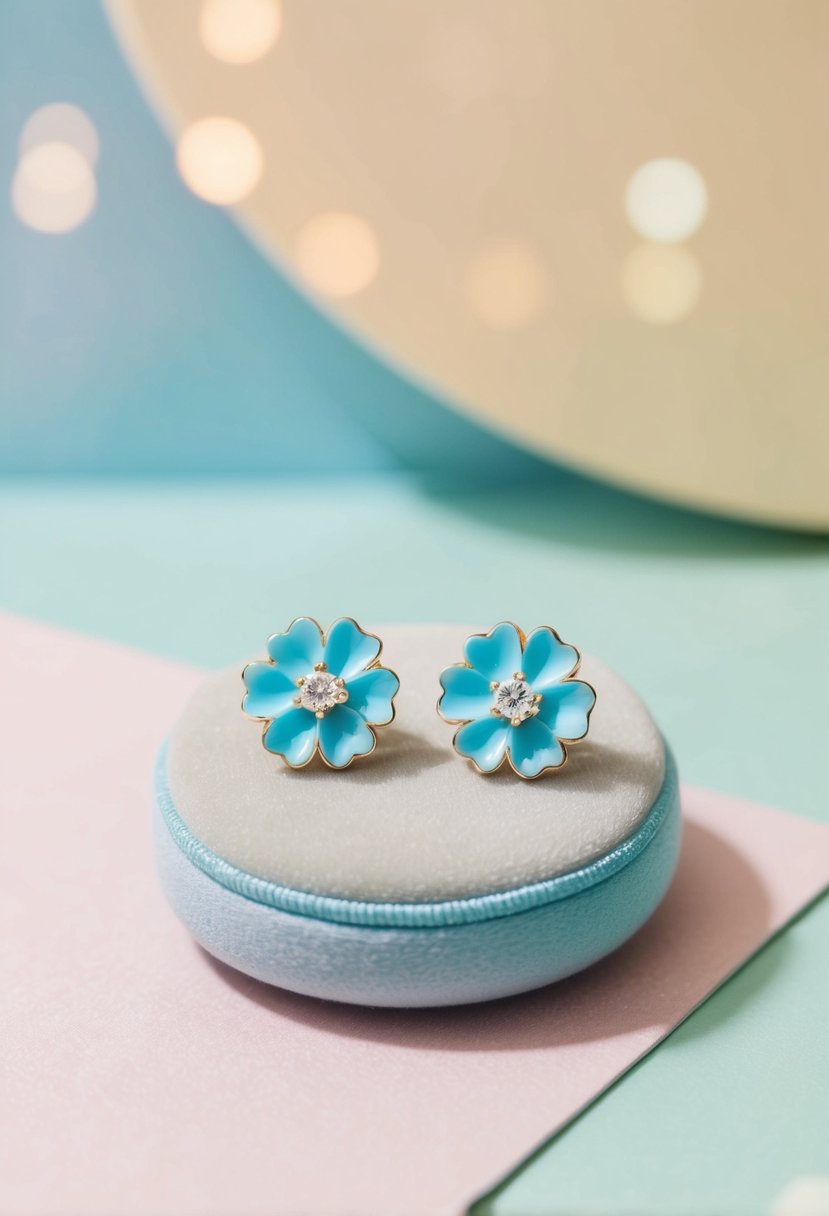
449, 181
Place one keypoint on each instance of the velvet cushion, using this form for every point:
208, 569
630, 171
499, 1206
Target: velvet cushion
410, 879
413, 821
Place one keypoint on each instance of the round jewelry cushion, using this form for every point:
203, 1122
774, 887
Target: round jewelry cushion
411, 879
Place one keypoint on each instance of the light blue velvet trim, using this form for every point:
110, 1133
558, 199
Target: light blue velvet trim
449, 965
413, 915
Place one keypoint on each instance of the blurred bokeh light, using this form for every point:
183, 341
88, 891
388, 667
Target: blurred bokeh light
337, 253
661, 284
61, 122
239, 31
563, 245
507, 285
612, 192
53, 189
220, 159
666, 200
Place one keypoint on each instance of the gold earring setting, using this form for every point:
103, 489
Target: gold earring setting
516, 700
320, 693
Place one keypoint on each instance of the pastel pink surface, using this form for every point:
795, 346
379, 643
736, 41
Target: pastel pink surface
140, 1076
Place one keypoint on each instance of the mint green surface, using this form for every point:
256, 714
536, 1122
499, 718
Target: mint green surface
722, 629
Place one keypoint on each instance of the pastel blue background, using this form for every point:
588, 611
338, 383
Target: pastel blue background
155, 342
154, 338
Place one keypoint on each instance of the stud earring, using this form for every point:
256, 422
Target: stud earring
320, 692
515, 699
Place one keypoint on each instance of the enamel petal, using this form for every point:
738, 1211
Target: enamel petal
298, 649
566, 708
292, 736
466, 695
496, 655
349, 650
547, 659
343, 735
484, 742
370, 694
270, 691
533, 747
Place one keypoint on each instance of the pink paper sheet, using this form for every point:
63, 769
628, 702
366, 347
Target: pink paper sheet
139, 1076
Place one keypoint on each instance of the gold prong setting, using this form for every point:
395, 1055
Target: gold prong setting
514, 699
320, 692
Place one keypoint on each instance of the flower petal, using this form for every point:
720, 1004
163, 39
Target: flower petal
466, 695
298, 649
348, 649
566, 707
497, 654
370, 694
547, 659
270, 690
343, 735
533, 747
292, 735
484, 742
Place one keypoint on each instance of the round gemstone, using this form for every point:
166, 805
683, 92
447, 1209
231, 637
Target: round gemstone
320, 692
515, 699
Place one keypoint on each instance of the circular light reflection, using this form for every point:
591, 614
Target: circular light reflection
53, 189
239, 31
660, 284
338, 253
804, 1196
62, 123
507, 285
220, 159
666, 200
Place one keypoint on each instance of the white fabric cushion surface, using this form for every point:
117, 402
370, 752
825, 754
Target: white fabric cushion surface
413, 821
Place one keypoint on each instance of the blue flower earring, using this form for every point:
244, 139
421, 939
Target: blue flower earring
515, 699
320, 692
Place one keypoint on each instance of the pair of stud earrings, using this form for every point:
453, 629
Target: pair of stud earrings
514, 698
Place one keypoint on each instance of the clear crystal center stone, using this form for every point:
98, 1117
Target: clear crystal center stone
515, 699
319, 692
